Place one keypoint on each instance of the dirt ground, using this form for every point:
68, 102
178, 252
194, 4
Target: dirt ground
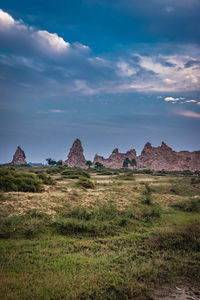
177, 293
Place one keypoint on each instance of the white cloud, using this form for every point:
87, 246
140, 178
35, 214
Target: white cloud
58, 111
190, 114
6, 19
191, 101
170, 73
125, 69
198, 103
51, 40
168, 99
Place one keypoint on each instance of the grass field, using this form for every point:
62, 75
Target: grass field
122, 237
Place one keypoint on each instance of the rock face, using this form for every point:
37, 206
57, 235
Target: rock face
116, 159
19, 158
75, 156
164, 158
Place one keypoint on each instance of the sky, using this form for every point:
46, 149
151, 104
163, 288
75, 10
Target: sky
112, 73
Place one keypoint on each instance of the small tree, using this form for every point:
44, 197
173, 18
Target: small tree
51, 162
126, 162
133, 162
98, 165
88, 163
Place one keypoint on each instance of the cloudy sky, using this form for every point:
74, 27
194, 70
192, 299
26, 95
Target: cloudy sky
114, 73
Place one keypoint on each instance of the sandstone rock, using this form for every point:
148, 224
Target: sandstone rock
116, 159
165, 158
19, 157
75, 156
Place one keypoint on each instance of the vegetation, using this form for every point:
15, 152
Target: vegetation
85, 182
119, 240
98, 165
126, 162
12, 180
88, 163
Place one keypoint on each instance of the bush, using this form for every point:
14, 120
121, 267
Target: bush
16, 181
195, 180
85, 182
192, 205
126, 176
75, 173
46, 179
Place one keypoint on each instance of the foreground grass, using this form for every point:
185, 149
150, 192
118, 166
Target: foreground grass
104, 250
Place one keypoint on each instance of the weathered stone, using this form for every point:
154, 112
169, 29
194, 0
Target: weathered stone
75, 156
19, 158
116, 159
165, 158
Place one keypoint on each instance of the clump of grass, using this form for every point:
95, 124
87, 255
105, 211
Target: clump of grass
179, 238
148, 194
175, 190
126, 176
46, 179
85, 183
192, 205
75, 173
12, 180
195, 180
29, 225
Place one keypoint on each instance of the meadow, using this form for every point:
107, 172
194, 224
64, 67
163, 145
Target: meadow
97, 234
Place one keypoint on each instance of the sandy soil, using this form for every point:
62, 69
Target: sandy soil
178, 293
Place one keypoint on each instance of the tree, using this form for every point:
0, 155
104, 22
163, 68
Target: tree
126, 162
51, 162
133, 162
88, 163
98, 165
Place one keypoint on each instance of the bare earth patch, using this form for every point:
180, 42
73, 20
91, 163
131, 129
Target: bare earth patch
177, 293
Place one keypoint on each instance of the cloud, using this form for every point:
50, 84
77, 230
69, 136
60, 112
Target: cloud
51, 40
198, 103
5, 19
37, 63
168, 99
57, 111
191, 101
190, 114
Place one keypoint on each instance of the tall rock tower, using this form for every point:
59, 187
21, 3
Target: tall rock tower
19, 158
76, 157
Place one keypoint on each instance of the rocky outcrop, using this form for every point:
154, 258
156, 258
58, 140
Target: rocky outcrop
155, 158
75, 156
165, 158
116, 159
19, 158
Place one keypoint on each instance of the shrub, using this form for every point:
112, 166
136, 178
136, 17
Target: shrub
126, 176
75, 173
12, 180
46, 179
192, 205
85, 182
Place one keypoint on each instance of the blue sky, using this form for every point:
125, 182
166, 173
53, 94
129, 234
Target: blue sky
113, 73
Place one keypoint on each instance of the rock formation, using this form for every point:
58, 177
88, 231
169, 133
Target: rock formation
116, 159
19, 157
155, 158
165, 158
75, 156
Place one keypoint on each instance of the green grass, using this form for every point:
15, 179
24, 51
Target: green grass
121, 247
